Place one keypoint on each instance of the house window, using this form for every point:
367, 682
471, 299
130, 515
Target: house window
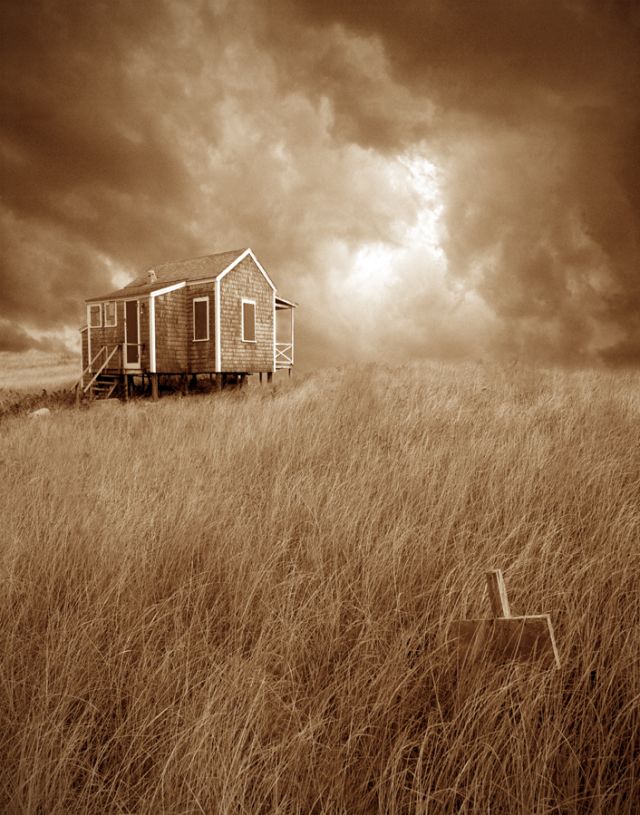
110, 314
95, 316
200, 319
248, 321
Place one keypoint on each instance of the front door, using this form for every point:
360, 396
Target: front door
131, 334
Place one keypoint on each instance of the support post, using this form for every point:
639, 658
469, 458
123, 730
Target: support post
154, 386
260, 377
269, 376
125, 387
498, 594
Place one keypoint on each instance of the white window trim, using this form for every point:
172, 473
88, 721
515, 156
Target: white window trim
99, 307
115, 314
193, 314
253, 303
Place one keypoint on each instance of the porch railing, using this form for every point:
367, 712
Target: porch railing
108, 357
284, 354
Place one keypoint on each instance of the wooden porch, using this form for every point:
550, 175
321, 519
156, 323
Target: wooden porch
284, 349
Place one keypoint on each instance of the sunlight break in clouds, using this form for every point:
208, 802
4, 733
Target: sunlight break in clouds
375, 262
424, 179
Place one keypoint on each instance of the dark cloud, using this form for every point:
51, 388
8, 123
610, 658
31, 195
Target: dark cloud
15, 339
136, 133
533, 121
88, 170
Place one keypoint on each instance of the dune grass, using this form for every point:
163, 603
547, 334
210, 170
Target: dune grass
239, 603
35, 379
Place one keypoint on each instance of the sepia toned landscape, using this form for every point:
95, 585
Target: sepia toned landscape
240, 602
320, 407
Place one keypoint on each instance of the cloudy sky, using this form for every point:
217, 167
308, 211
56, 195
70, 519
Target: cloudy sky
427, 178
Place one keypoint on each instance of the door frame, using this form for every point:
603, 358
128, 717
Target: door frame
125, 356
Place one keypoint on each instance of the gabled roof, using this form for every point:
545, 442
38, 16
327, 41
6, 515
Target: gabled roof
202, 268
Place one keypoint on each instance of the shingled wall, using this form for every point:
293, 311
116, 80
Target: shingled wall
144, 333
246, 280
85, 350
171, 332
202, 357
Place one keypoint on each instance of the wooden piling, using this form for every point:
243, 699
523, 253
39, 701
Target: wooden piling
498, 594
154, 387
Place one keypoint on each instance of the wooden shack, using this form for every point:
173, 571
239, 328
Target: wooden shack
216, 315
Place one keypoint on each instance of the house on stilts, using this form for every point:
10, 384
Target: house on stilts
219, 315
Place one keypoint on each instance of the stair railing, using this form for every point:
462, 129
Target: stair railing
115, 348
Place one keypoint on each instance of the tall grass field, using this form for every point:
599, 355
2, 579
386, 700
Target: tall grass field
241, 602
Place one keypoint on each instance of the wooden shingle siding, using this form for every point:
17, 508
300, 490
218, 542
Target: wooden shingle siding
202, 356
171, 332
84, 336
144, 333
245, 292
246, 281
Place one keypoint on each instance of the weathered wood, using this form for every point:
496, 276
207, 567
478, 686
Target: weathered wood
246, 281
173, 324
505, 639
171, 347
498, 594
154, 387
269, 376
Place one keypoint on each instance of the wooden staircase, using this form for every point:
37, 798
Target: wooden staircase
101, 384
104, 387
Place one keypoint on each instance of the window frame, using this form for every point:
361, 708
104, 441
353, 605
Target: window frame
255, 321
92, 307
115, 314
195, 300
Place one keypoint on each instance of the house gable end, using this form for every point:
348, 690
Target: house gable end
239, 259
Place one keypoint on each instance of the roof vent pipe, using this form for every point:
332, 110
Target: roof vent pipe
151, 274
